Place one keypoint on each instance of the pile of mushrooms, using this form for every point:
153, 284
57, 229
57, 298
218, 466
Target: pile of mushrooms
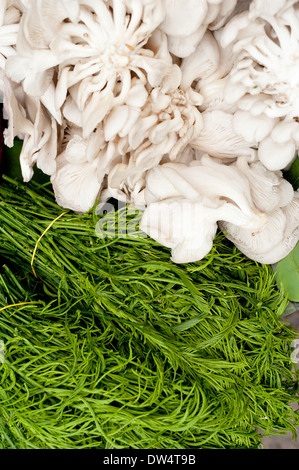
187, 110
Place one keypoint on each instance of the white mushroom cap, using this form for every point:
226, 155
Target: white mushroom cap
269, 190
75, 181
183, 43
183, 47
202, 63
75, 184
253, 129
212, 92
226, 8
233, 28
218, 137
184, 204
188, 228
183, 18
272, 242
276, 156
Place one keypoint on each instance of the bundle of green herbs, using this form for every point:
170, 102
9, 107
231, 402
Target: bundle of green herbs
108, 344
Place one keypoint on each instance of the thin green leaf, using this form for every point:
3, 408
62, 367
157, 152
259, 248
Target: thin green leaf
287, 275
292, 175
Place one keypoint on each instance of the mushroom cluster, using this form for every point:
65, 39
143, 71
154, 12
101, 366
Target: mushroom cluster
186, 110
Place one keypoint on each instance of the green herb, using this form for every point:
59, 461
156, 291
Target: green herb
114, 346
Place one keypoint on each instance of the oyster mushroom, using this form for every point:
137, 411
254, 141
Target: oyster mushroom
188, 110
34, 126
10, 14
92, 73
253, 129
264, 77
269, 190
185, 202
275, 196
278, 150
272, 242
218, 137
75, 180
